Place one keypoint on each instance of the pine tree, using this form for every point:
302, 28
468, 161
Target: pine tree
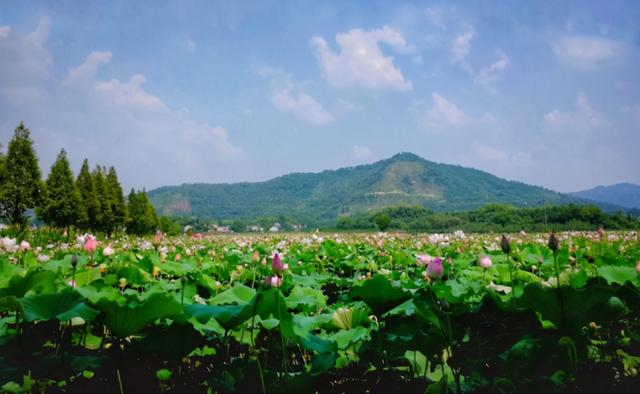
116, 199
150, 215
103, 216
23, 186
62, 205
142, 215
87, 189
3, 169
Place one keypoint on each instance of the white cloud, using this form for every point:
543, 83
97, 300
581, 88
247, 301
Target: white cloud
497, 159
24, 63
488, 118
436, 17
119, 123
583, 118
462, 46
632, 111
302, 105
492, 73
444, 111
129, 94
4, 31
587, 52
87, 70
486, 152
362, 152
360, 61
348, 106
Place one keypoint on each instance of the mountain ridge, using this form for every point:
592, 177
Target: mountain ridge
625, 194
321, 197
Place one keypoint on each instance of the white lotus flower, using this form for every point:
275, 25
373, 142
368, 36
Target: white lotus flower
108, 251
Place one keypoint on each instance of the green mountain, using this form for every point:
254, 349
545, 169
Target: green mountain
316, 198
622, 194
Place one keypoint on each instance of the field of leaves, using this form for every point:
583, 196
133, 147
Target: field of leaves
321, 313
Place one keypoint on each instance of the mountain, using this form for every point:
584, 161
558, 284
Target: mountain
625, 195
321, 197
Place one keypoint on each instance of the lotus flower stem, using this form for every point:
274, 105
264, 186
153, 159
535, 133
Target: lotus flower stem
561, 298
119, 381
284, 351
554, 245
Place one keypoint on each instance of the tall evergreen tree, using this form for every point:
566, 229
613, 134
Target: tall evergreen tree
3, 169
103, 217
116, 199
23, 186
87, 189
142, 215
62, 205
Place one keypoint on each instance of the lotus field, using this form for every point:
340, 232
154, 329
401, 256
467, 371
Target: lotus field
321, 313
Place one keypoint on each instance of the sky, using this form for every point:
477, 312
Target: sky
544, 92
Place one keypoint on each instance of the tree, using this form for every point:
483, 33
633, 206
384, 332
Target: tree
382, 221
116, 200
3, 169
23, 186
103, 216
142, 215
62, 204
87, 189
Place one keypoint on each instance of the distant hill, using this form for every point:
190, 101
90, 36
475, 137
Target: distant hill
625, 195
322, 197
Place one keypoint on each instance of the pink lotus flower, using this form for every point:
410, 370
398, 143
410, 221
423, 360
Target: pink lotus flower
24, 246
273, 281
157, 239
90, 243
423, 259
435, 269
72, 283
485, 262
276, 264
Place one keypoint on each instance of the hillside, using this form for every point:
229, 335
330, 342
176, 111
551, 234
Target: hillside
626, 195
321, 197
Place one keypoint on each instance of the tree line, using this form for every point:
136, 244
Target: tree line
493, 217
93, 201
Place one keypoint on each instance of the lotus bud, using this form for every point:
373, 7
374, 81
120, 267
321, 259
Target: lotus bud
90, 243
485, 262
276, 264
74, 260
435, 269
553, 243
156, 271
255, 257
504, 244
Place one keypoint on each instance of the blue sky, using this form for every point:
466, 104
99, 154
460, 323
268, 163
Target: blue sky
198, 91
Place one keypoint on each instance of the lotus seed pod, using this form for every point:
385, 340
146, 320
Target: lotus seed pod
504, 244
553, 243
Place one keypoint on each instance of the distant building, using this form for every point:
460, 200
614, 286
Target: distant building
275, 228
255, 228
221, 229
297, 227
